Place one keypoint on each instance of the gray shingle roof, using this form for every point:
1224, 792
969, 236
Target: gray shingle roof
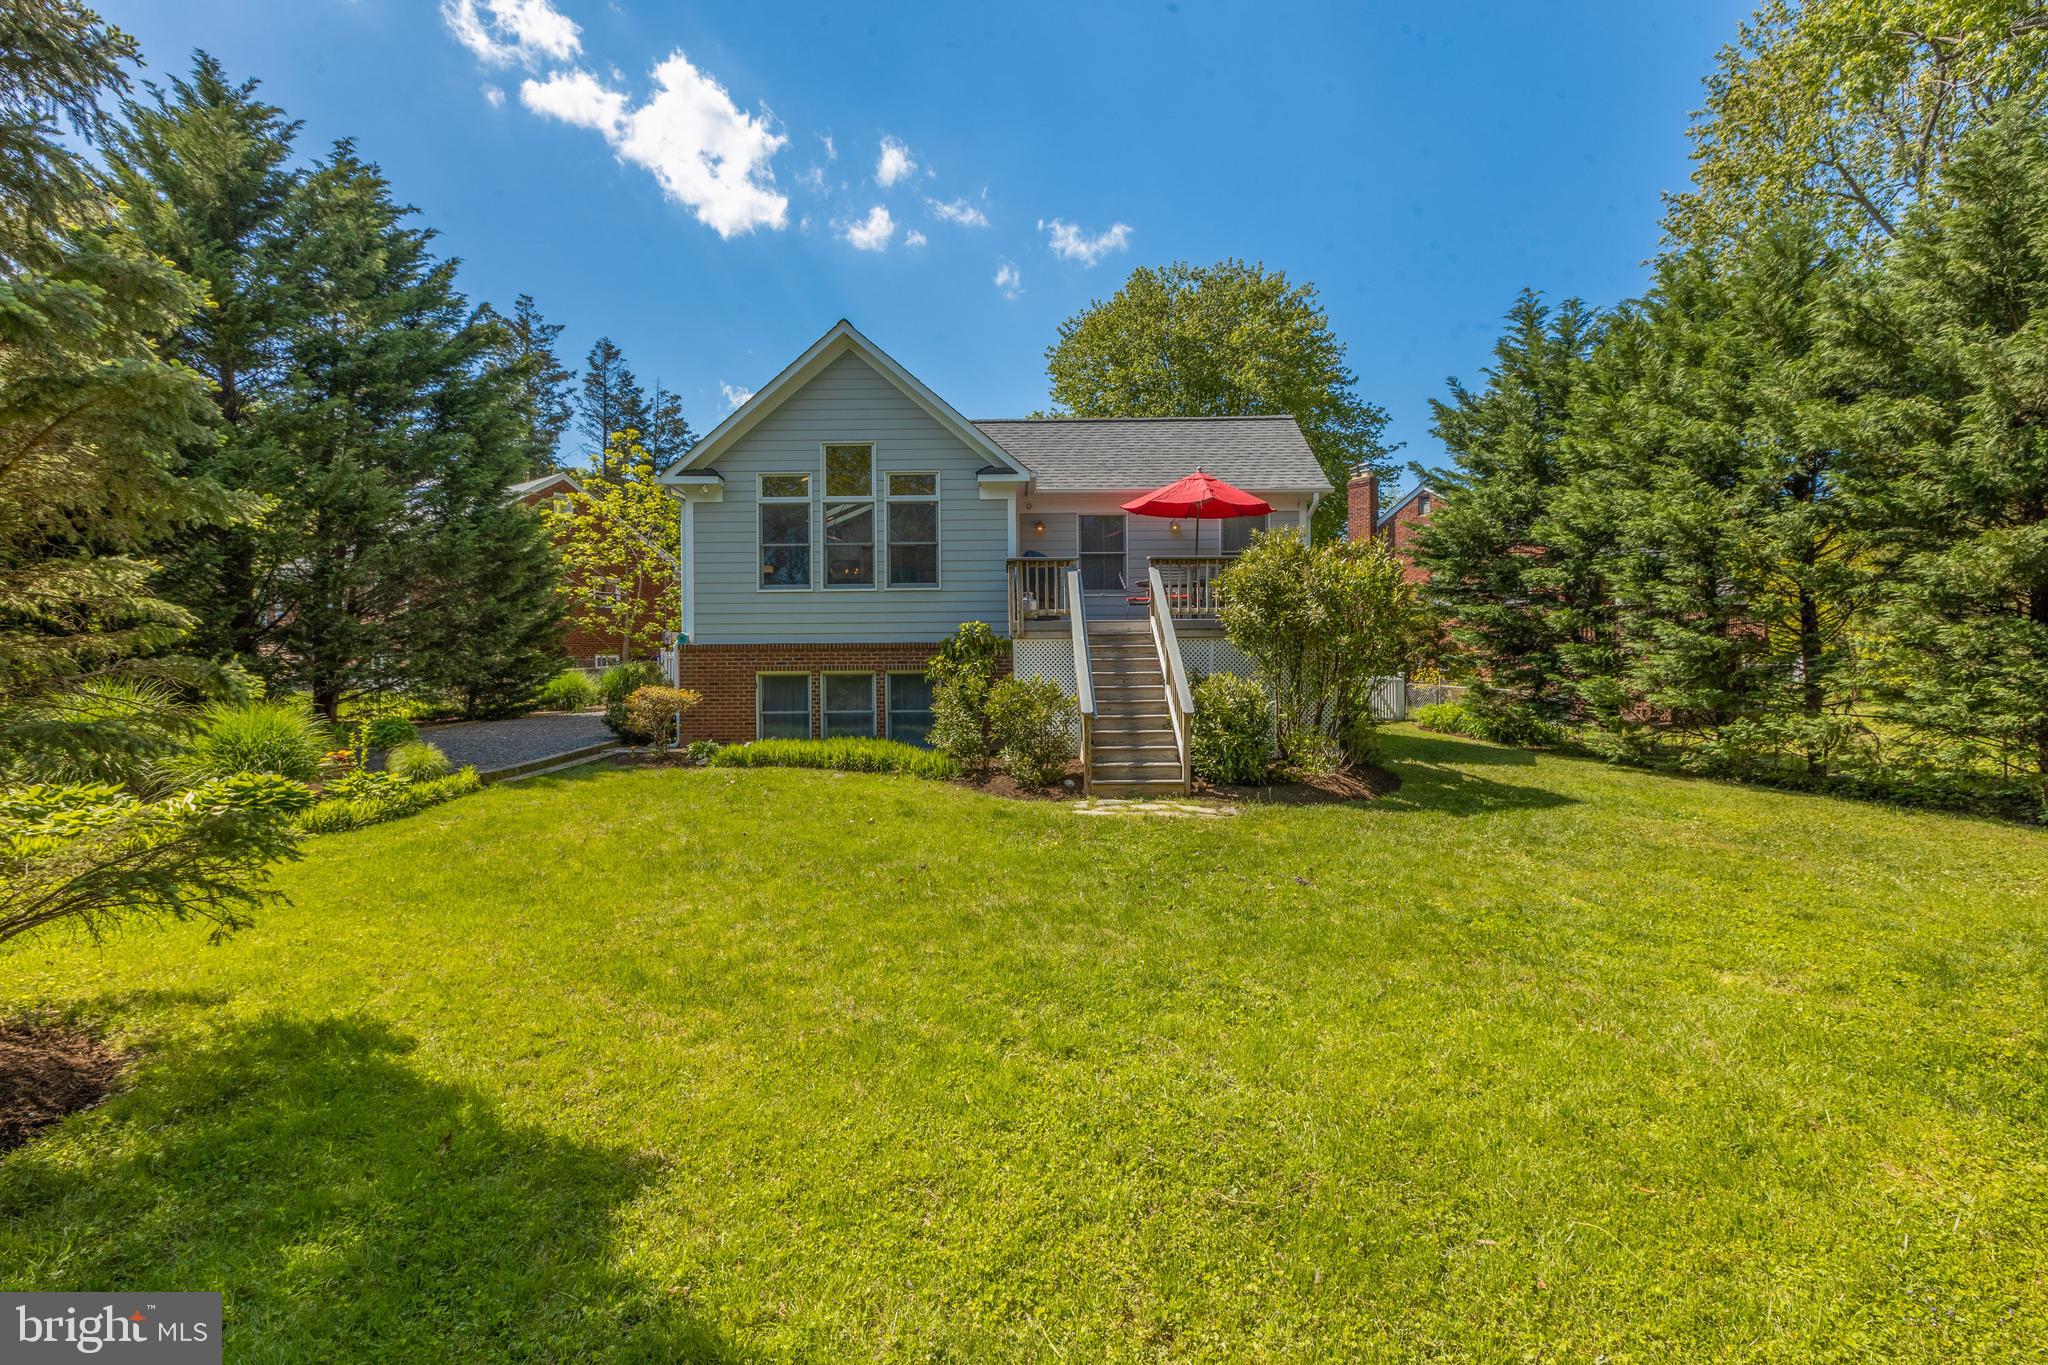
1090, 454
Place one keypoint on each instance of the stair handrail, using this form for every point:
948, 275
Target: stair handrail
1180, 700
1084, 677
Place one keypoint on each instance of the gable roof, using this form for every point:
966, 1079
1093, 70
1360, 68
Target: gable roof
531, 486
1387, 515
842, 339
1102, 454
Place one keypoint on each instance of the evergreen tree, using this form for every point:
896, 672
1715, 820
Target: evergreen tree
1950, 487
1512, 601
613, 400
203, 176
540, 388
666, 433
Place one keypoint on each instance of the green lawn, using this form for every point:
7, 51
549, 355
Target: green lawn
1534, 1059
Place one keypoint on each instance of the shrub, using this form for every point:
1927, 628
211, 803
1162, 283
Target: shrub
961, 674
569, 690
1507, 724
369, 798
388, 732
254, 737
840, 755
619, 681
651, 714
417, 762
1030, 721
1231, 731
703, 750
1446, 717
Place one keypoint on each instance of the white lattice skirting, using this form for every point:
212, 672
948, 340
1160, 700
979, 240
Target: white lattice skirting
1052, 659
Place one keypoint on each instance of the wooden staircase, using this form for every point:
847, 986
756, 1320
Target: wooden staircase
1132, 751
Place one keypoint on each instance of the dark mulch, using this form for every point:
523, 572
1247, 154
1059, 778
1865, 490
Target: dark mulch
1360, 783
46, 1073
1002, 784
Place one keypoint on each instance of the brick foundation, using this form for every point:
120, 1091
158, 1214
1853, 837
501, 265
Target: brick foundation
724, 675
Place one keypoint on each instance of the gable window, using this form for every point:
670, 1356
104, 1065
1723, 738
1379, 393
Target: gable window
849, 516
1422, 505
1102, 553
782, 705
785, 530
910, 708
1238, 533
913, 530
849, 705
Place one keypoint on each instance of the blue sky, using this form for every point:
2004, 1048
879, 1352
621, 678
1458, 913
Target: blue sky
1419, 164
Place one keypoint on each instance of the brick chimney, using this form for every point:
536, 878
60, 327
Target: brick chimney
1362, 503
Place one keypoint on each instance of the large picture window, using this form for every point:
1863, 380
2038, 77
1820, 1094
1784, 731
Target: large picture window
849, 705
849, 524
913, 530
1102, 553
782, 705
910, 708
785, 530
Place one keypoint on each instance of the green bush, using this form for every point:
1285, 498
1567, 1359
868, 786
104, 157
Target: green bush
840, 755
253, 737
702, 750
1231, 731
417, 762
1031, 723
650, 715
365, 800
620, 681
1446, 717
569, 690
388, 732
961, 674
1508, 724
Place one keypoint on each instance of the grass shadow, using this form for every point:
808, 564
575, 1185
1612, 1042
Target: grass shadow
348, 1206
1434, 777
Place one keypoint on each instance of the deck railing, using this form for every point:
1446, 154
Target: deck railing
1041, 590
1180, 700
1084, 679
1190, 584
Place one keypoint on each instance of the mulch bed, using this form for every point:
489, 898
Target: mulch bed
1361, 783
47, 1073
1004, 785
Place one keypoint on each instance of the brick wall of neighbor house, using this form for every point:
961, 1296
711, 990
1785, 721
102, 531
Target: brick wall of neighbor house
1401, 532
1361, 507
579, 644
724, 675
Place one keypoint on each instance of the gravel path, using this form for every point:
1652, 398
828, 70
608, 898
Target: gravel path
493, 744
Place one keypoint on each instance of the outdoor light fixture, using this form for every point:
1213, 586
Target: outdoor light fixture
1173, 526
1038, 528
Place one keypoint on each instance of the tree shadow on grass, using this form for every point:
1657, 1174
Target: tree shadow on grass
1434, 777
348, 1206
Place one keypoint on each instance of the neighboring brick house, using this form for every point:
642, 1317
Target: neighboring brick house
1397, 525
585, 648
845, 520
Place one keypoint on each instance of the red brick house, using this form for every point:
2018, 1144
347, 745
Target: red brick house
1397, 525
585, 648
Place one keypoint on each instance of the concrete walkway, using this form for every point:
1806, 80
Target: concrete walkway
492, 746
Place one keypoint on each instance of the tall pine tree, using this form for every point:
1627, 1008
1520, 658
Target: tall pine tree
613, 400
540, 386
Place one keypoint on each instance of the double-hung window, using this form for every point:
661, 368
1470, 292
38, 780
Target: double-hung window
782, 705
1102, 552
849, 516
1238, 533
913, 530
849, 705
785, 501
910, 708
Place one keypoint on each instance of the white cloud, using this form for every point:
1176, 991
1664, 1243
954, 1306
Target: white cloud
494, 97
502, 32
734, 394
704, 151
1009, 280
812, 178
1070, 243
894, 163
831, 147
960, 211
913, 238
871, 233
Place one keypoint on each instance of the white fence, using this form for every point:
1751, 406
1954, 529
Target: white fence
669, 667
1397, 698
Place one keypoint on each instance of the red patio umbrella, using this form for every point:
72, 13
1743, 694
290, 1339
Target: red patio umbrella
1199, 497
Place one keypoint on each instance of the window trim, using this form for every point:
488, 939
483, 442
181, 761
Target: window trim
761, 499
825, 500
938, 542
825, 700
889, 677
1082, 556
810, 699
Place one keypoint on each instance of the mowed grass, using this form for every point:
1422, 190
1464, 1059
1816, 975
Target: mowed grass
1535, 1059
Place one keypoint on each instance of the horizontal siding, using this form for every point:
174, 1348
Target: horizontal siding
848, 401
1144, 537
